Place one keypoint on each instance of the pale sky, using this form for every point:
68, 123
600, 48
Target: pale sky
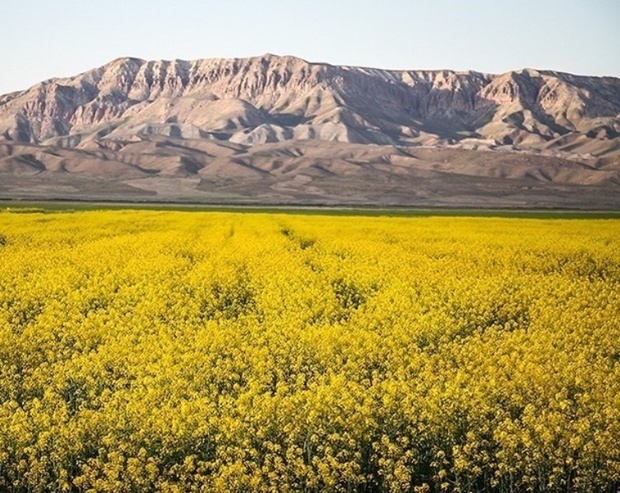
40, 39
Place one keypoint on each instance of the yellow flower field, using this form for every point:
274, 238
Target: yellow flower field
243, 352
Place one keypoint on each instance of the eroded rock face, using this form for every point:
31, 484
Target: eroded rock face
272, 98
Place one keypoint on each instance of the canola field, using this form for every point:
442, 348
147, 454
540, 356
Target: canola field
231, 352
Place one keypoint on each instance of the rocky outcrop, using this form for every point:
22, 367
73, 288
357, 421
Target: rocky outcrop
280, 130
272, 98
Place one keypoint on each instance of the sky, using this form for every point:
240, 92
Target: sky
40, 39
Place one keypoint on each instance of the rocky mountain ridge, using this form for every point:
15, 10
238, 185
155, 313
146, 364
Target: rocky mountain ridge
93, 124
272, 98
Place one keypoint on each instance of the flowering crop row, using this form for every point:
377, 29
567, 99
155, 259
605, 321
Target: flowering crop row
190, 351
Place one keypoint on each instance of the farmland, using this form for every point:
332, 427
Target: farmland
227, 351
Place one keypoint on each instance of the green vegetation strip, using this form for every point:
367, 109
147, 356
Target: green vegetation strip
69, 206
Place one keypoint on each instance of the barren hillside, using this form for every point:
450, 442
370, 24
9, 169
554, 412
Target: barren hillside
282, 130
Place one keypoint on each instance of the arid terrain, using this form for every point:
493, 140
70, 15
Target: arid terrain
280, 130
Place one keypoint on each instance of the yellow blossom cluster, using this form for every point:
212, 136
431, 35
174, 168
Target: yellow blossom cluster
255, 352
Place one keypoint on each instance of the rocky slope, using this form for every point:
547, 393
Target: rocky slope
158, 120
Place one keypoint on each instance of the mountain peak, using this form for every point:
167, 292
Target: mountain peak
229, 98
278, 128
124, 60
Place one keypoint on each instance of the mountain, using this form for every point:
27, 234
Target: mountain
276, 129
